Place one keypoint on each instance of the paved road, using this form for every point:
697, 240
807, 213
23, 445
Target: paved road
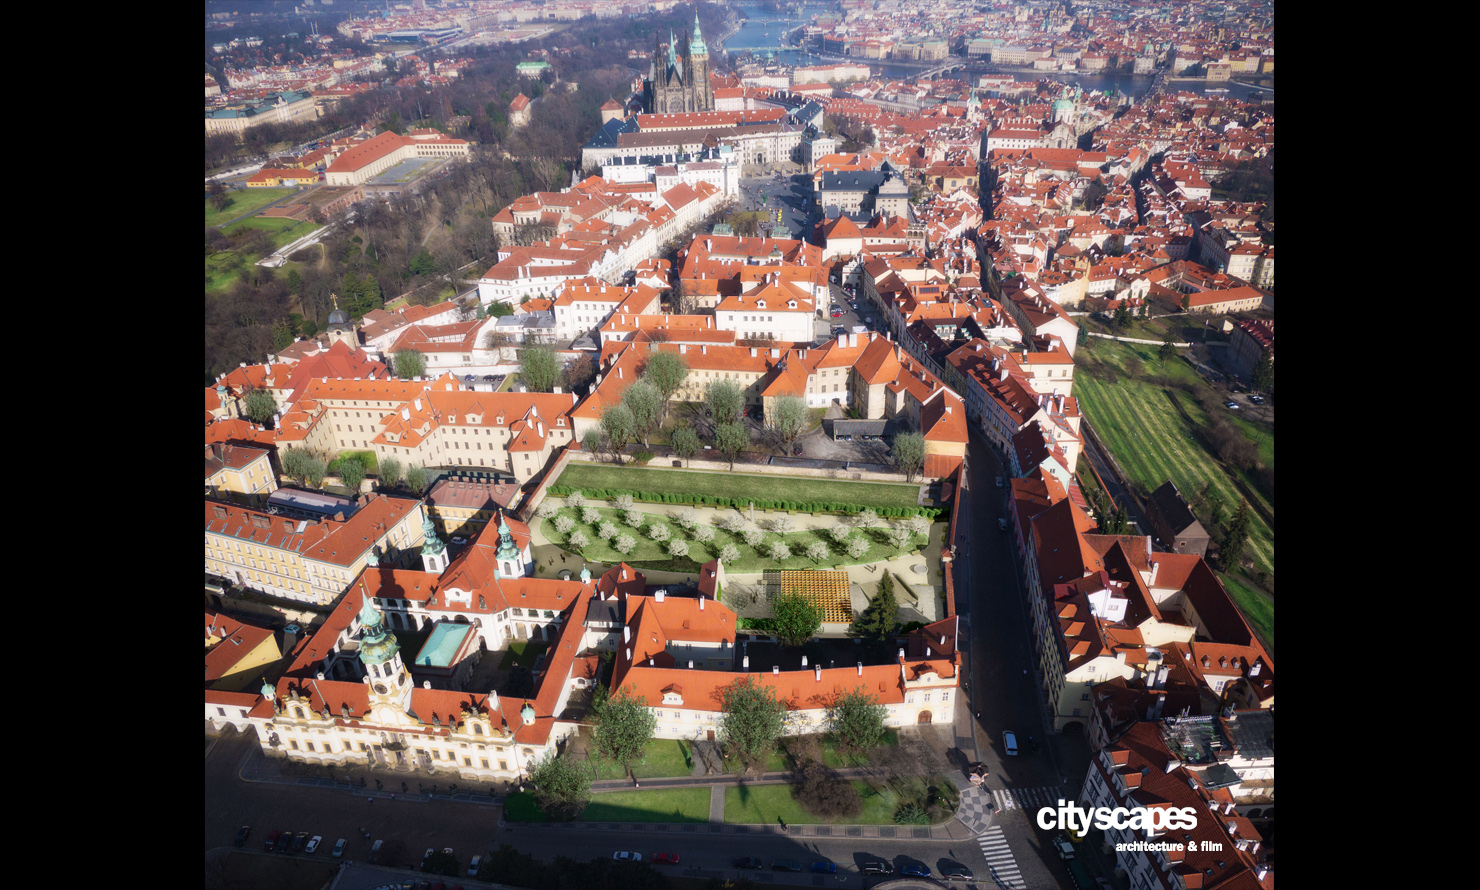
792, 195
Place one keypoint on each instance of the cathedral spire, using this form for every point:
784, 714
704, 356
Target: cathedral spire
696, 45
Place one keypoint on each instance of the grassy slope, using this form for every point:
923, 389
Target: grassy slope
867, 494
243, 201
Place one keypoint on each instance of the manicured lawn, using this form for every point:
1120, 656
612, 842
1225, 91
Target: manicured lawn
657, 805
764, 804
243, 201
650, 554
735, 485
522, 653
1257, 606
282, 229
1153, 442
662, 758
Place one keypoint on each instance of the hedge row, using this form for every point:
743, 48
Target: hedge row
704, 500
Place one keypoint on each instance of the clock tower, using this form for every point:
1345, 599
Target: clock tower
390, 683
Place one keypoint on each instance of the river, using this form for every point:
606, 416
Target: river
761, 34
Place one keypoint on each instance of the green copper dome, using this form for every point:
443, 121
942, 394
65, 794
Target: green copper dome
377, 645
269, 691
527, 713
507, 549
585, 575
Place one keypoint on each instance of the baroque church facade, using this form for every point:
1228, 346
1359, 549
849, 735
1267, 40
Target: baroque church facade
678, 80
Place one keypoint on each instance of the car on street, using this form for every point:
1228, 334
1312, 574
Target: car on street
876, 867
1230, 404
313, 845
1009, 743
375, 852
1062, 846
914, 870
473, 866
665, 858
242, 833
625, 856
955, 871
823, 867
836, 313
271, 842
786, 865
748, 862
339, 848
1257, 399
300, 841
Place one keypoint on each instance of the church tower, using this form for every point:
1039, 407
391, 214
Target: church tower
703, 90
341, 328
390, 683
511, 562
433, 550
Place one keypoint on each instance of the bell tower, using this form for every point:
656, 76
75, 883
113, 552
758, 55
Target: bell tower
433, 551
390, 683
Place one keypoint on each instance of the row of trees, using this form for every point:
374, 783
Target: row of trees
309, 469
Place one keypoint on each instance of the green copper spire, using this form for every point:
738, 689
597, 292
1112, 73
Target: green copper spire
527, 713
585, 575
696, 46
507, 549
433, 545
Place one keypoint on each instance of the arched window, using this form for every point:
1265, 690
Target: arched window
477, 730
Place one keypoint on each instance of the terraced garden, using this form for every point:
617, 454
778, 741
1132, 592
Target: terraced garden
1152, 430
584, 476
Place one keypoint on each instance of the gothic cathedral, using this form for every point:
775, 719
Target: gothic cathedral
679, 81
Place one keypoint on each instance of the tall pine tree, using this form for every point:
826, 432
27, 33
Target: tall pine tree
877, 623
1234, 539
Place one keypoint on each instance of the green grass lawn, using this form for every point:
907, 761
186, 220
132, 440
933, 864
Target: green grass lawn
662, 758
243, 201
1257, 606
1153, 442
736, 485
657, 805
282, 229
651, 554
522, 653
764, 804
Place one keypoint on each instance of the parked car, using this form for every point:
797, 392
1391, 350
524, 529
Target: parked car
1009, 743
823, 867
999, 481
748, 862
1230, 404
1001, 524
339, 848
957, 872
1257, 399
915, 870
786, 865
835, 313
271, 842
242, 833
876, 867
299, 842
473, 866
313, 845
375, 852
625, 856
1063, 847
665, 858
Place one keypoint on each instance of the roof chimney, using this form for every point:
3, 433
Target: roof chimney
745, 662
860, 669
775, 670
658, 596
701, 602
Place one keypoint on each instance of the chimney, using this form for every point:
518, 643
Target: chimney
658, 596
691, 664
701, 602
775, 670
860, 669
901, 652
752, 352
745, 662
804, 661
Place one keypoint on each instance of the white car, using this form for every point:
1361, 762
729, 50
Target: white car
1009, 743
627, 857
339, 848
473, 866
313, 845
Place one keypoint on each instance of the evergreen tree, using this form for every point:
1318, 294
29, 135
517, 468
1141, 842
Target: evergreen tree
878, 622
1234, 539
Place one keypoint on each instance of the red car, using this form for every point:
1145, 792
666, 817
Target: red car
836, 313
665, 858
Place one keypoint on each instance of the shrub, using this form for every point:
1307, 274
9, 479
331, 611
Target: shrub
564, 524
780, 551
590, 515
729, 553
633, 518
911, 814
678, 547
658, 532
704, 534
622, 502
575, 499
642, 457
753, 537
578, 541
624, 544
824, 794
607, 531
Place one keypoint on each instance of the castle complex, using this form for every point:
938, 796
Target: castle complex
679, 81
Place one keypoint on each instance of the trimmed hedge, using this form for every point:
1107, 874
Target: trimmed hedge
704, 500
